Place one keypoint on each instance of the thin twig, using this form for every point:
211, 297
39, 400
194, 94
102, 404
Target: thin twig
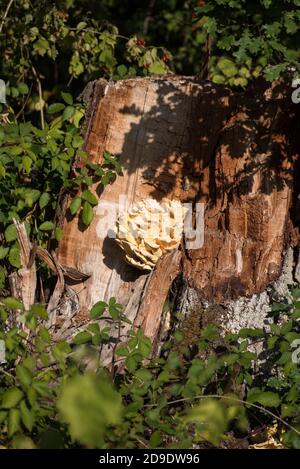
250, 404
148, 17
24, 104
142, 443
40, 97
5, 14
6, 373
119, 36
94, 31
62, 302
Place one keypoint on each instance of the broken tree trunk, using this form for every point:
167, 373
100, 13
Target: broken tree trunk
192, 141
23, 282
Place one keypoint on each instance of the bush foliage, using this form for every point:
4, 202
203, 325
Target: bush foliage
209, 394
203, 394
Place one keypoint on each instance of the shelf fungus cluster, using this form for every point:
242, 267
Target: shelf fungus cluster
148, 230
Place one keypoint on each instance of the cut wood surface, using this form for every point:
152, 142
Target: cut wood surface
149, 123
23, 282
189, 140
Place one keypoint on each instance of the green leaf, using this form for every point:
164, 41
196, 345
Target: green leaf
288, 410
10, 233
296, 294
265, 398
68, 112
44, 200
82, 338
122, 70
291, 336
272, 73
247, 332
131, 364
61, 350
87, 213
88, 404
13, 423
278, 307
23, 442
75, 205
144, 375
157, 69
14, 257
290, 24
133, 342
272, 341
55, 107
3, 252
155, 439
47, 226
27, 416
2, 171
89, 197
59, 234
25, 129
3, 415
67, 97
284, 358
27, 163
41, 388
12, 303
31, 196
145, 346
230, 358
211, 420
78, 115
16, 150
267, 3
77, 141
11, 398
23, 375
44, 334
2, 281
122, 351
94, 328
98, 309
39, 310
287, 327
23, 88
114, 308
32, 396
81, 25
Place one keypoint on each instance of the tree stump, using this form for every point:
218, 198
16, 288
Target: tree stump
192, 141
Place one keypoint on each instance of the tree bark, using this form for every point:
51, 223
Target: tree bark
192, 141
